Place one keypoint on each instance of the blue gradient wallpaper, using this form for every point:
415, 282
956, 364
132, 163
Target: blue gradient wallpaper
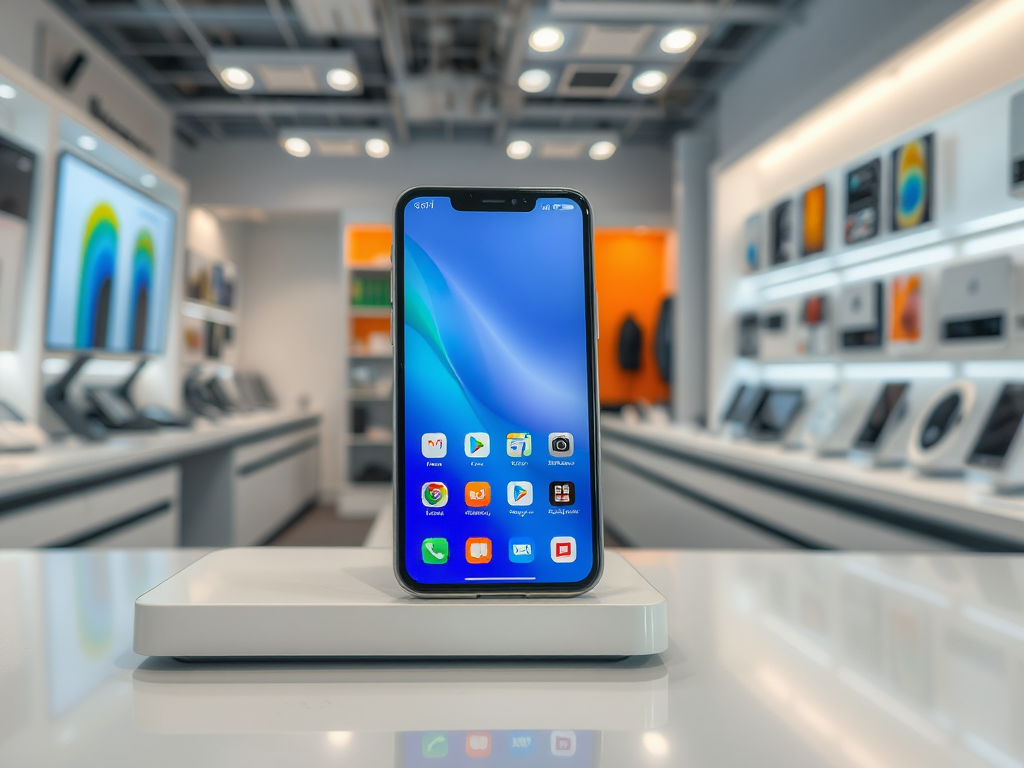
497, 445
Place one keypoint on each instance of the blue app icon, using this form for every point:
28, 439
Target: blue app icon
520, 550
520, 743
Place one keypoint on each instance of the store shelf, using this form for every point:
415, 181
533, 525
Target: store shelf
370, 311
208, 312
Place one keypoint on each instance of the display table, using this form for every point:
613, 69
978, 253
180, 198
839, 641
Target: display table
788, 659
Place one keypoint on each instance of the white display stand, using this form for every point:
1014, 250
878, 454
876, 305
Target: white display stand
346, 602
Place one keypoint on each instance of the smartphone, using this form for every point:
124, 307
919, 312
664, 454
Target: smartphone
497, 461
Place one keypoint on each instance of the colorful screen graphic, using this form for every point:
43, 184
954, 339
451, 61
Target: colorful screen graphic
814, 208
752, 252
906, 309
863, 188
110, 278
912, 184
497, 446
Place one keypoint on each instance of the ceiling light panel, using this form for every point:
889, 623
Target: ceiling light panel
593, 80
282, 72
561, 145
604, 41
340, 142
337, 18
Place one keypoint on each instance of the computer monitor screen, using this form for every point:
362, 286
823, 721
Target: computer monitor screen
1002, 425
110, 272
885, 407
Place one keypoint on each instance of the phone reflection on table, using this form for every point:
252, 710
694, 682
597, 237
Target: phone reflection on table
562, 748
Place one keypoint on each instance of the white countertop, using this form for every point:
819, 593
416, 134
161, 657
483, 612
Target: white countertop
966, 502
73, 460
775, 659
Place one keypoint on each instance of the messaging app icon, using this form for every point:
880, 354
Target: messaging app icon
520, 493
518, 444
435, 494
478, 445
434, 445
520, 550
520, 744
434, 745
478, 551
435, 551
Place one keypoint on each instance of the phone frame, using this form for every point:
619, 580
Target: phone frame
512, 200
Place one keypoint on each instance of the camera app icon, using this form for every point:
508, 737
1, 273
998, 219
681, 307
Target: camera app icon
560, 444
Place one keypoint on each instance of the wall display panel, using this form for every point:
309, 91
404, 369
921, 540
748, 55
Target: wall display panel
749, 330
950, 424
860, 315
906, 309
863, 202
814, 209
815, 332
777, 338
783, 233
974, 300
17, 171
912, 184
1017, 144
753, 252
110, 274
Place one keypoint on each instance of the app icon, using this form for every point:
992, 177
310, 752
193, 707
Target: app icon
520, 493
561, 493
519, 444
478, 445
560, 444
520, 550
563, 743
478, 744
478, 551
520, 743
435, 551
563, 549
434, 445
478, 494
435, 494
434, 745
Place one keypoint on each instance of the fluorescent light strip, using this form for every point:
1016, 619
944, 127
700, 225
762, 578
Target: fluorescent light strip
816, 283
801, 372
987, 244
899, 370
794, 271
991, 621
993, 369
987, 223
889, 248
903, 263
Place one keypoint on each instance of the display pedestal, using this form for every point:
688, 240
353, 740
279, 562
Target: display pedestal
345, 602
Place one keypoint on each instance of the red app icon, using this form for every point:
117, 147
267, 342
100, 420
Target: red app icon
478, 744
478, 494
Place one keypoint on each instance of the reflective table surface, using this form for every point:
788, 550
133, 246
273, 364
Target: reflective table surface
775, 659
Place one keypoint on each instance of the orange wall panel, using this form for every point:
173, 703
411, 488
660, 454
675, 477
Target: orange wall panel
367, 244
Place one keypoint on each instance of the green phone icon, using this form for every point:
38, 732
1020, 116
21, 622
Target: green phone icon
435, 551
434, 744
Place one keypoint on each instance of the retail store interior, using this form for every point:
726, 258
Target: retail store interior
808, 254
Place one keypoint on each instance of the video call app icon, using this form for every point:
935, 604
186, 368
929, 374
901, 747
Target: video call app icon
434, 445
478, 494
478, 445
561, 493
518, 444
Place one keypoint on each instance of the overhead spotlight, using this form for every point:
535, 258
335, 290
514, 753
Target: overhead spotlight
377, 148
651, 81
534, 80
546, 39
87, 142
602, 150
296, 147
519, 149
148, 180
678, 40
7, 91
237, 78
342, 79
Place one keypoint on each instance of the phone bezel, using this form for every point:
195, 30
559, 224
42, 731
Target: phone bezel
473, 196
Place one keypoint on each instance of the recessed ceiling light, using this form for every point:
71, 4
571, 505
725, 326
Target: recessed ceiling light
519, 149
602, 150
377, 148
7, 91
342, 79
546, 39
237, 78
534, 80
87, 142
651, 81
148, 180
678, 40
296, 147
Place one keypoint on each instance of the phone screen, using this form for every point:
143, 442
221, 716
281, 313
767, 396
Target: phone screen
495, 385
565, 749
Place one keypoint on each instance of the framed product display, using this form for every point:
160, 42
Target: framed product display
17, 170
741, 410
949, 425
836, 418
906, 309
974, 300
777, 338
749, 324
753, 249
775, 414
863, 202
912, 183
782, 238
815, 327
814, 209
860, 315
889, 409
997, 436
1017, 144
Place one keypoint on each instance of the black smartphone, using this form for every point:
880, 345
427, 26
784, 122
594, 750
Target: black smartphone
497, 461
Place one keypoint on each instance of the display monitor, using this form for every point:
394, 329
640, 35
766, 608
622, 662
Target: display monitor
999, 431
888, 409
110, 271
775, 414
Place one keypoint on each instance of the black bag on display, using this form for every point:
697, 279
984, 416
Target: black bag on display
663, 341
630, 344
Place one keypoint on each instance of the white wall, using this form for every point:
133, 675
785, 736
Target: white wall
291, 318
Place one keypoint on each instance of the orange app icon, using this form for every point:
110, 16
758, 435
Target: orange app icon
478, 744
478, 551
478, 494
